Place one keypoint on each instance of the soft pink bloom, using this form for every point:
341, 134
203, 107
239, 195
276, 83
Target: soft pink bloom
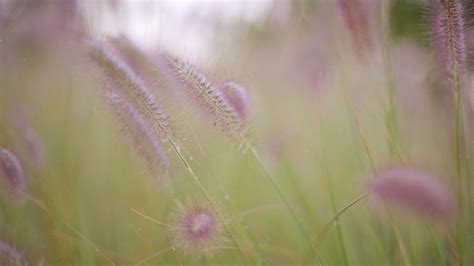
412, 189
355, 14
12, 173
238, 99
9, 256
28, 140
197, 228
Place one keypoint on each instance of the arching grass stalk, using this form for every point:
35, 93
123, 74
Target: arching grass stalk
44, 208
208, 197
320, 237
458, 136
391, 113
457, 142
437, 246
364, 143
333, 199
338, 227
396, 232
213, 102
147, 259
255, 243
277, 188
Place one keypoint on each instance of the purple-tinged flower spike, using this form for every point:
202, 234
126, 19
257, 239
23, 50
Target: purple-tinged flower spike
354, 13
414, 190
198, 86
238, 99
197, 228
141, 136
449, 37
9, 256
13, 175
29, 140
137, 59
120, 78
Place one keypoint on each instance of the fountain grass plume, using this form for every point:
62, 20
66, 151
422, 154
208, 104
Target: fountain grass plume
196, 228
127, 84
118, 75
13, 175
355, 16
238, 99
141, 136
412, 189
448, 34
10, 256
202, 91
31, 146
213, 101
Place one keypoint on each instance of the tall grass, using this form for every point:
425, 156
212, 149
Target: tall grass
253, 160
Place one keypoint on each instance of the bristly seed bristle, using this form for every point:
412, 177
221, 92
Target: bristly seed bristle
135, 127
196, 228
237, 97
142, 118
122, 78
449, 37
203, 92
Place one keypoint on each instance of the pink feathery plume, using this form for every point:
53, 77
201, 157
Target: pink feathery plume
448, 34
355, 16
413, 189
238, 99
196, 228
141, 136
13, 175
28, 139
194, 83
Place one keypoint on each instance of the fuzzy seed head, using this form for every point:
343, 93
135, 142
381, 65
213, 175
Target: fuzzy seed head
12, 173
238, 99
141, 136
197, 229
412, 189
201, 90
9, 256
449, 37
28, 139
355, 16
120, 78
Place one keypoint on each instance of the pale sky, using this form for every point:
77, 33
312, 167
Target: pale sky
186, 26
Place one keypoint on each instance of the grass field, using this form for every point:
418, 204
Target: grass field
334, 99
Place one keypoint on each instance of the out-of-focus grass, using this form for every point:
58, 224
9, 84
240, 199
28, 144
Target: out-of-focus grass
93, 178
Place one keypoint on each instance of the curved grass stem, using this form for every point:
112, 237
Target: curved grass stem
208, 197
458, 135
328, 226
283, 198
